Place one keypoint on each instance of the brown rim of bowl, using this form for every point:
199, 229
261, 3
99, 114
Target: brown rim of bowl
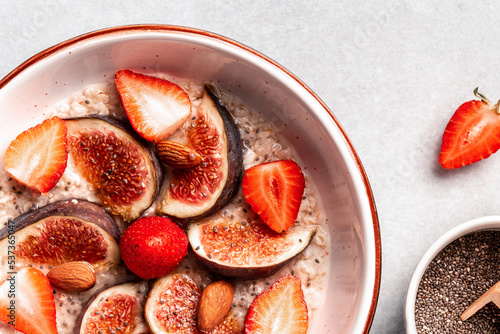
130, 29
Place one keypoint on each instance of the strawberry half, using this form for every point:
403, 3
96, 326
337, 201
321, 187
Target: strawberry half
27, 302
472, 134
274, 191
281, 309
152, 247
154, 106
38, 156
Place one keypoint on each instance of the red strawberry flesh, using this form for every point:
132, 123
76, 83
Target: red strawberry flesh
29, 306
472, 134
38, 156
155, 107
152, 247
281, 309
274, 191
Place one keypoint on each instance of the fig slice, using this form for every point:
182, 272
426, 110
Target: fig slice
247, 249
171, 307
119, 164
199, 192
118, 309
64, 231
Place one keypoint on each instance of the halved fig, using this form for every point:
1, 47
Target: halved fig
64, 231
201, 191
247, 249
172, 304
118, 309
120, 165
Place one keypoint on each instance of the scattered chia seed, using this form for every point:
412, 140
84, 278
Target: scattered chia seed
455, 278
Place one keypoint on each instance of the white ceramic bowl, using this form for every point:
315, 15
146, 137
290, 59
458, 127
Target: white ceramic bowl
475, 225
31, 89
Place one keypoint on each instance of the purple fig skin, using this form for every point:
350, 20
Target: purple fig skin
245, 273
235, 164
234, 157
145, 145
79, 208
140, 284
240, 273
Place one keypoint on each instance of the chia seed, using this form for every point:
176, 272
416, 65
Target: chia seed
455, 278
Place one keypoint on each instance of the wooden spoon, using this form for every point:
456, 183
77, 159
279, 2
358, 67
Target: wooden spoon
492, 295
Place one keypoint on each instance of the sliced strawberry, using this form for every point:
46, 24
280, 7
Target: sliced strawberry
27, 302
274, 191
154, 106
281, 309
38, 156
472, 134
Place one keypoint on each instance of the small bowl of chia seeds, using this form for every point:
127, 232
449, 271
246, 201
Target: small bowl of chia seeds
456, 270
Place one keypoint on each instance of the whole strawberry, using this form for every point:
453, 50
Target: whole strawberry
152, 247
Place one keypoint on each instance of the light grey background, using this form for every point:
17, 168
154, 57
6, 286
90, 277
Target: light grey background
391, 71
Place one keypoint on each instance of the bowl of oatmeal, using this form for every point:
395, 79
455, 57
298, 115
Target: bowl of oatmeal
278, 118
455, 271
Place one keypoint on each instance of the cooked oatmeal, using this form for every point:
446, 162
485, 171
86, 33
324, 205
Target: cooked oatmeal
261, 144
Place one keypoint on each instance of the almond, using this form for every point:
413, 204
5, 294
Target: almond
215, 303
177, 155
72, 276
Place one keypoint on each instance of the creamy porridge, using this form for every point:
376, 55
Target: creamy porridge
261, 144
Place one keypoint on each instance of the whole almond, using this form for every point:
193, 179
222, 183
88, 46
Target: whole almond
215, 303
72, 276
177, 155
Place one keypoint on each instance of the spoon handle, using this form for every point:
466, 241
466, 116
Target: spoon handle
492, 295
